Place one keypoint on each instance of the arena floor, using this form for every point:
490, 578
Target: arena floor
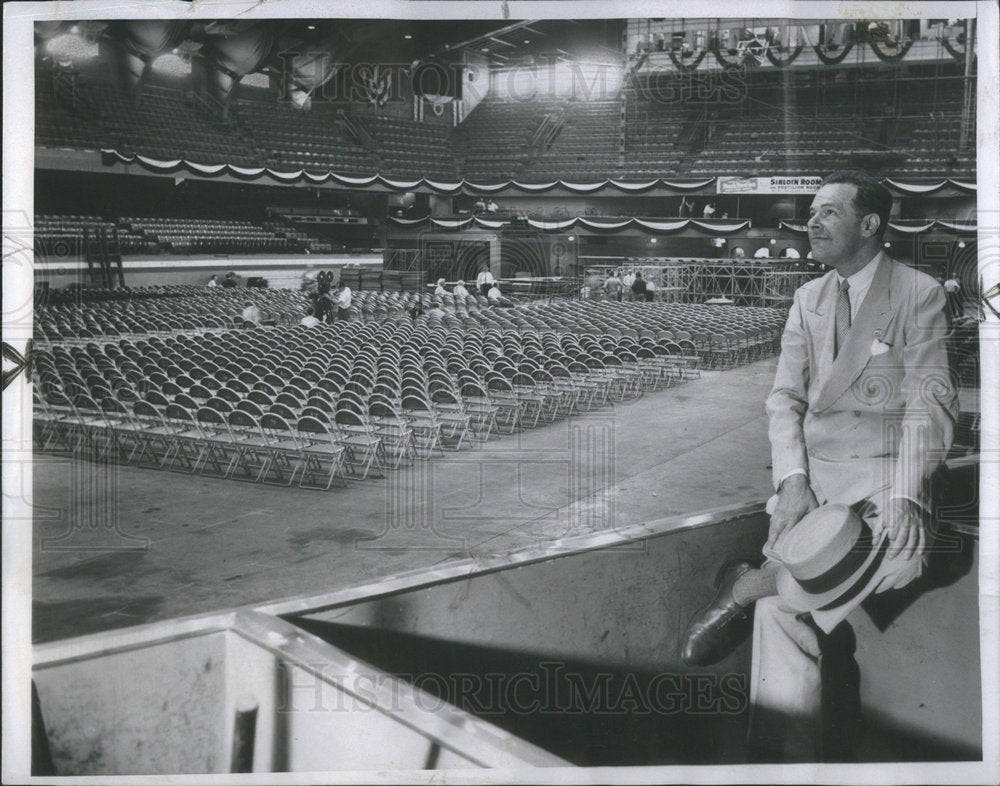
122, 546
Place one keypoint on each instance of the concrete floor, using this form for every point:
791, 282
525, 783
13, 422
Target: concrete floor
116, 546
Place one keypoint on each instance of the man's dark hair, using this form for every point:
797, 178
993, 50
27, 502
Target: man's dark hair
871, 196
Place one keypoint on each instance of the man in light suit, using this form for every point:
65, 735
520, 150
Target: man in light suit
861, 412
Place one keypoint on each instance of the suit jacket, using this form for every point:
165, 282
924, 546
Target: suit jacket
875, 421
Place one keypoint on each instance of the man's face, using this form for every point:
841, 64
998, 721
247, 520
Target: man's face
836, 230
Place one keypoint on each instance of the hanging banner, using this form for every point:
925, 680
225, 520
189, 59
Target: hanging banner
798, 184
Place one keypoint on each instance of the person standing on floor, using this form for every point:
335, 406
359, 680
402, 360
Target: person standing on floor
343, 301
613, 286
484, 281
639, 288
627, 281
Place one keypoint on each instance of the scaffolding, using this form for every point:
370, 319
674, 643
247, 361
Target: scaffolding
696, 280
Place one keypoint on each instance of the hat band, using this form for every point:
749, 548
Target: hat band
862, 581
849, 563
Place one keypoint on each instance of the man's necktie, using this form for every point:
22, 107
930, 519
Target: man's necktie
843, 316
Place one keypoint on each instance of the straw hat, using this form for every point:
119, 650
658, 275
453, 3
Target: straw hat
829, 559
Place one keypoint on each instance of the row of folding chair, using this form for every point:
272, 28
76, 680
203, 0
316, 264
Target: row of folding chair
215, 404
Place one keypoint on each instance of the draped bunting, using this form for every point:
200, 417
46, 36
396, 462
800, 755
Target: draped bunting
926, 188
958, 226
914, 228
662, 226
561, 225
905, 226
111, 155
793, 226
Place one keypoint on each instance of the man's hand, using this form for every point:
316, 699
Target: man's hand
904, 521
795, 499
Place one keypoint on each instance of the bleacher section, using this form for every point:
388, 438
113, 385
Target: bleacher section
150, 235
832, 141
291, 139
495, 140
410, 149
768, 133
66, 235
204, 235
61, 118
163, 125
652, 137
586, 145
921, 141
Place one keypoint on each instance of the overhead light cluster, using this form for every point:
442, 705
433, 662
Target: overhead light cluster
172, 64
71, 48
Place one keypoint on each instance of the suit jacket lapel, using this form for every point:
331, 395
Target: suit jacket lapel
872, 321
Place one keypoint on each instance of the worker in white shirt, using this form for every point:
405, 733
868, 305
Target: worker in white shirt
496, 298
343, 302
484, 281
627, 281
440, 290
251, 314
459, 290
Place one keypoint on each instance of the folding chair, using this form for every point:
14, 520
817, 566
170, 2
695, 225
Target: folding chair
508, 415
284, 448
217, 449
250, 450
366, 450
94, 434
532, 402
424, 425
481, 410
321, 455
392, 427
454, 422
186, 437
156, 437
124, 430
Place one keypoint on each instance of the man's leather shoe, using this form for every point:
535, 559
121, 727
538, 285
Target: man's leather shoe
718, 629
